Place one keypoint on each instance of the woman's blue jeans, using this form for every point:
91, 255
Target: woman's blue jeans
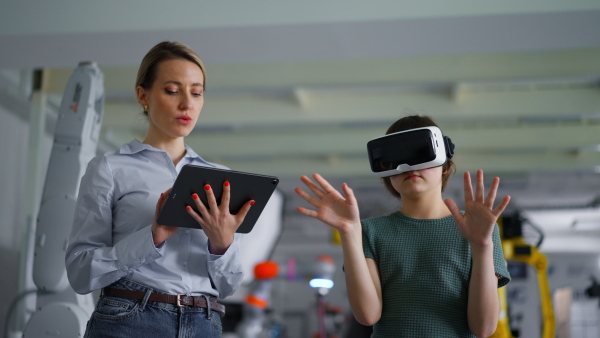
127, 318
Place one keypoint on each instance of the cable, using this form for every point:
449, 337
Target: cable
12, 307
537, 229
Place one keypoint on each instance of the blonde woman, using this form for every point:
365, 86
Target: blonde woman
156, 281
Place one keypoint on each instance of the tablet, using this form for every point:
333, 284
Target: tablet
193, 178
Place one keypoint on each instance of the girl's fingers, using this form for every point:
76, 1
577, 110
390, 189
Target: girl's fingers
307, 212
491, 196
479, 188
308, 198
500, 208
453, 208
349, 193
313, 187
467, 187
323, 182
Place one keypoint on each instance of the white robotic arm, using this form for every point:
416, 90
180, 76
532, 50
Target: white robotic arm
60, 311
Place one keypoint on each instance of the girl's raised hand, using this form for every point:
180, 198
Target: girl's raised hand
337, 210
477, 223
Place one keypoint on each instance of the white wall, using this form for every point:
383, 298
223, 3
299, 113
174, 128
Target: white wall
13, 152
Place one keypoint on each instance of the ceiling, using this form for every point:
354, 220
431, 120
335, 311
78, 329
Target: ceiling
300, 87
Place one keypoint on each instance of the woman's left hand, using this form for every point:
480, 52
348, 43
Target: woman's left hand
477, 223
218, 223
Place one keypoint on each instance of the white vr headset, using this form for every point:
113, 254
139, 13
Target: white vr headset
413, 149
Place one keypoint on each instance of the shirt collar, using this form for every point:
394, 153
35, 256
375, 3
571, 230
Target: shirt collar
135, 146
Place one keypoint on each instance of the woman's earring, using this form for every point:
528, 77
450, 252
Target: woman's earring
146, 108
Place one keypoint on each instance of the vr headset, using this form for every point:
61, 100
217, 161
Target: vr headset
413, 149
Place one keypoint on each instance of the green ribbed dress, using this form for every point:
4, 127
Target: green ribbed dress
424, 266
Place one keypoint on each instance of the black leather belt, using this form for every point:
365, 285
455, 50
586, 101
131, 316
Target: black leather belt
179, 300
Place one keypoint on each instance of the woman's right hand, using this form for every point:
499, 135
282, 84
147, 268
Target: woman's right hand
160, 233
332, 208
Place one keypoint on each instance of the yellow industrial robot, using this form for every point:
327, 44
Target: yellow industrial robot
516, 249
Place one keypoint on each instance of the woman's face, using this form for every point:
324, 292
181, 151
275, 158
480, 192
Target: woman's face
413, 183
175, 99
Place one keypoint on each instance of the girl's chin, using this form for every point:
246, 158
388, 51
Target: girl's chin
411, 190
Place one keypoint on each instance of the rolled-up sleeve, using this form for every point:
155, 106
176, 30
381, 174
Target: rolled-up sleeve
92, 260
226, 270
500, 265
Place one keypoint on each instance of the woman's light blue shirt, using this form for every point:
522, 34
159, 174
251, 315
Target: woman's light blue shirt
111, 236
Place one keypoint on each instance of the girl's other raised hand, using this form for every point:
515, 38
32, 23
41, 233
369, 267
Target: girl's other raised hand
477, 222
333, 208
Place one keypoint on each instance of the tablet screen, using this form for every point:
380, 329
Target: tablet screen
193, 178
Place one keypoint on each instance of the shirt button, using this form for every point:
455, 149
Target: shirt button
187, 232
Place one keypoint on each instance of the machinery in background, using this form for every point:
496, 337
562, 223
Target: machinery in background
593, 291
258, 245
256, 302
516, 249
60, 311
319, 274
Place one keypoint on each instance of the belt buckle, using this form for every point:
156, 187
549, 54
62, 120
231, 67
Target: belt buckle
179, 300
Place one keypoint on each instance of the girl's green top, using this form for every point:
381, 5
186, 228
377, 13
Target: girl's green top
424, 266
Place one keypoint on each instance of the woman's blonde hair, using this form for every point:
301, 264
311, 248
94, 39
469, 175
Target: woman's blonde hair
161, 52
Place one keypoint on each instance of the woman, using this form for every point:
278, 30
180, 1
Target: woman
156, 281
427, 270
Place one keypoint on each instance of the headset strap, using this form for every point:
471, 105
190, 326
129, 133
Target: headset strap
449, 147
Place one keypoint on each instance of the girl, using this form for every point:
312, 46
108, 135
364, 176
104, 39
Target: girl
427, 270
